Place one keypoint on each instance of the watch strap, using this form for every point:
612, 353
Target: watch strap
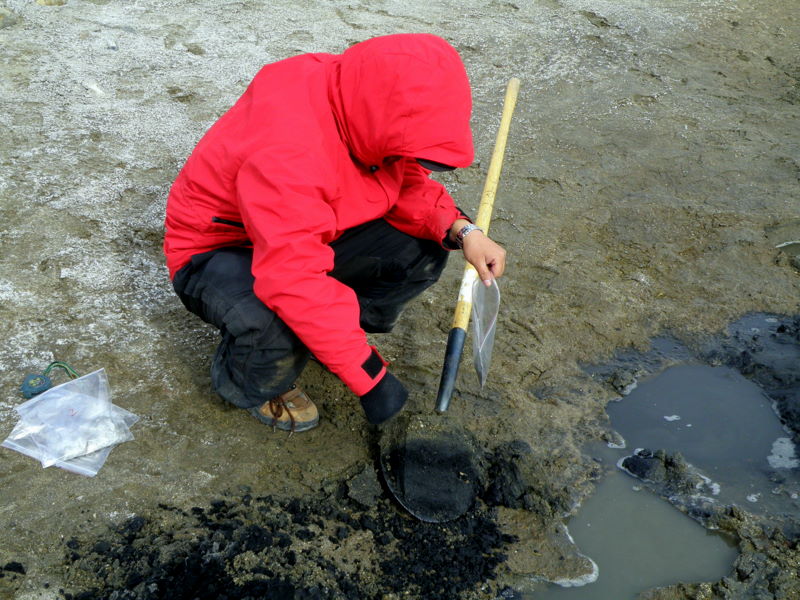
464, 231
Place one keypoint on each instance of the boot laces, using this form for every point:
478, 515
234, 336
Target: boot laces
276, 407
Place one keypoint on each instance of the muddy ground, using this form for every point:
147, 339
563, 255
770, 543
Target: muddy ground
652, 170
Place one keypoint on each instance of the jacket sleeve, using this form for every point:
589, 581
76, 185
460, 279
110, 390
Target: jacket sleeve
290, 225
424, 208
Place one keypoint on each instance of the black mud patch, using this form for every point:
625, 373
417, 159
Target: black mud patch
12, 574
12, 568
321, 547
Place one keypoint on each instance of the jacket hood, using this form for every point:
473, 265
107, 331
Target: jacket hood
403, 95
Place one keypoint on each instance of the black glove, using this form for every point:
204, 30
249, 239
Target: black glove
385, 400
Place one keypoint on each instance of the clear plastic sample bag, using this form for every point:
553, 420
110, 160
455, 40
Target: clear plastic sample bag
485, 307
73, 425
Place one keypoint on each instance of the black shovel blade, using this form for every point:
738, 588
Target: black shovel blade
429, 467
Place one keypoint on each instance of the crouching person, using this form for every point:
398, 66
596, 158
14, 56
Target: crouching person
305, 217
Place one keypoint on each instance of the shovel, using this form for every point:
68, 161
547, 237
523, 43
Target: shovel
431, 469
458, 333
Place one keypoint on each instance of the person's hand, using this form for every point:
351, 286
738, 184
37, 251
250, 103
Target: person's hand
488, 257
385, 400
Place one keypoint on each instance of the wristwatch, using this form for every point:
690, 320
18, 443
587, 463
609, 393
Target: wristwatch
464, 231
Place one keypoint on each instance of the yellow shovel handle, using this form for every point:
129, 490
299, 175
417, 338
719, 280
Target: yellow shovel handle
458, 333
484, 218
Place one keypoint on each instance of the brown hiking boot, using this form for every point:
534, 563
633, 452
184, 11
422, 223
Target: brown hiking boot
291, 411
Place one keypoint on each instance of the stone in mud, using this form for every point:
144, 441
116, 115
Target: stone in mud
623, 382
645, 466
668, 470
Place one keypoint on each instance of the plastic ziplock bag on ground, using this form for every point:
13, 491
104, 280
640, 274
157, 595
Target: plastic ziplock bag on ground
485, 307
89, 464
70, 425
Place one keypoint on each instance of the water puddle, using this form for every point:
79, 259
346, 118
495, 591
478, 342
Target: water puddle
721, 423
726, 426
638, 541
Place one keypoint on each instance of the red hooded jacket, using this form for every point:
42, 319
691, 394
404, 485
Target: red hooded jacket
300, 158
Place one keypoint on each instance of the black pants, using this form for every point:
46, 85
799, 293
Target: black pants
259, 357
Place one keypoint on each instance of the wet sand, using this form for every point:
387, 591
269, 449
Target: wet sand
652, 170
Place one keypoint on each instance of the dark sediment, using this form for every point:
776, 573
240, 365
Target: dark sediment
12, 574
431, 469
510, 486
352, 541
320, 547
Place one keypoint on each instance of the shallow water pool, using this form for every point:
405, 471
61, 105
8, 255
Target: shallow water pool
724, 425
638, 541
